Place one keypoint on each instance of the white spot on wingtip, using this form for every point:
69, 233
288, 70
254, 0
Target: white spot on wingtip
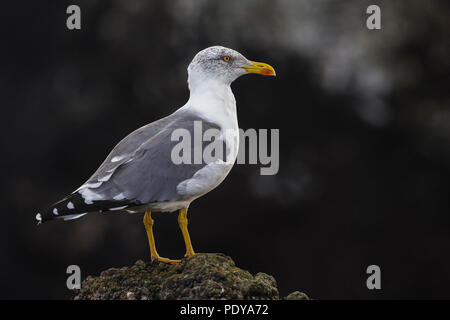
70, 205
39, 218
55, 212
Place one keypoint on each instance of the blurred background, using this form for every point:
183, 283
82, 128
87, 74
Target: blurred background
364, 123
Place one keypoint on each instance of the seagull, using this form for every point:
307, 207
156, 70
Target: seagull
140, 174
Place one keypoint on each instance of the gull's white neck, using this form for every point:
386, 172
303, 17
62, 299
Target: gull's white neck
212, 100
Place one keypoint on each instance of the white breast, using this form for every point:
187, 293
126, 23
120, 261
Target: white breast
214, 103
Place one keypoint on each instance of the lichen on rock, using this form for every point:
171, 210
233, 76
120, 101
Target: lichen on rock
204, 276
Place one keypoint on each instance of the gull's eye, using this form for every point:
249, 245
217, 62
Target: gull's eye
226, 58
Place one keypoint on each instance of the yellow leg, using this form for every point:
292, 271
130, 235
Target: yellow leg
148, 223
183, 223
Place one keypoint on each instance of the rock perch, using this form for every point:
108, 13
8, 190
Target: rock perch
204, 276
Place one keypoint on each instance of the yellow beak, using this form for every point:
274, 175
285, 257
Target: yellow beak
260, 68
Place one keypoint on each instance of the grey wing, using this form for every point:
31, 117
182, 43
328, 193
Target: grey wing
139, 170
150, 175
126, 148
143, 171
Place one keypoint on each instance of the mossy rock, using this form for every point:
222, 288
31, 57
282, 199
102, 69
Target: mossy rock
204, 276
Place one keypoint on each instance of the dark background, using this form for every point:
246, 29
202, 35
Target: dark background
364, 123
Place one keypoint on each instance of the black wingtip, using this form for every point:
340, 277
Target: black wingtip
75, 206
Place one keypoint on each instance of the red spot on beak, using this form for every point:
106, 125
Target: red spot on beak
266, 72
